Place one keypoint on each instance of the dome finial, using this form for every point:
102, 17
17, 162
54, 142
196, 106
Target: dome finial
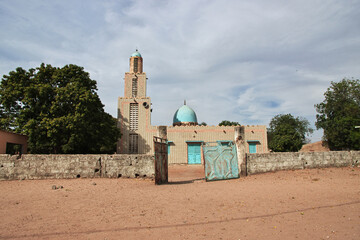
136, 53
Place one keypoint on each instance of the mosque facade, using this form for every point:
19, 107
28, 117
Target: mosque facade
185, 136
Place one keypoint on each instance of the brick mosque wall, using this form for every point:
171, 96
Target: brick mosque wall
179, 135
269, 162
30, 166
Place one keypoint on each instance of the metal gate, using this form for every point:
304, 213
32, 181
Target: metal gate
161, 160
220, 161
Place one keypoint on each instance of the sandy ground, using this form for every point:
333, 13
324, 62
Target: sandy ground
304, 204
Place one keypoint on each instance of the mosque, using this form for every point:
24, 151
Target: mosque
185, 136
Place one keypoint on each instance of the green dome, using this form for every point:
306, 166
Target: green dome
136, 54
184, 115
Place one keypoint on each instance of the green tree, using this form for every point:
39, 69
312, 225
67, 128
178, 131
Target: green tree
287, 133
228, 123
203, 124
338, 115
58, 109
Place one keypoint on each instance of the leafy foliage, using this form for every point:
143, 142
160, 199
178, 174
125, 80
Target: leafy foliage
228, 123
287, 133
58, 109
203, 124
338, 115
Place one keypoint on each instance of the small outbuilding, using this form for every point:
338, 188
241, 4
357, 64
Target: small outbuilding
12, 143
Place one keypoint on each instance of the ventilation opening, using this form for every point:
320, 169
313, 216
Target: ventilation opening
133, 143
134, 87
119, 175
144, 175
134, 116
137, 175
97, 170
136, 65
78, 176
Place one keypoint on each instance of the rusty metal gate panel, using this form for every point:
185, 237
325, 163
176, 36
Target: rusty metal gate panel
220, 161
161, 160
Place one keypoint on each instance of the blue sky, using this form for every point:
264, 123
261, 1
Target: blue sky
243, 61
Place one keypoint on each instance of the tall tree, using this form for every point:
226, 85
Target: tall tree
228, 123
287, 133
58, 109
338, 115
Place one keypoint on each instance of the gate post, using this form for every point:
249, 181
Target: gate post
240, 149
161, 155
162, 132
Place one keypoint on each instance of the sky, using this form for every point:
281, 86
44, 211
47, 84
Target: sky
243, 61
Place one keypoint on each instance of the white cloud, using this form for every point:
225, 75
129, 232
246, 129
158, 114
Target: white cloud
236, 60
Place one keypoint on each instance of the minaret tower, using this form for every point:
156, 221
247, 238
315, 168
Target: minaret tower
134, 110
135, 79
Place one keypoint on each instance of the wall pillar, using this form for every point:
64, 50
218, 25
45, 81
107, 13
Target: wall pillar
162, 132
240, 149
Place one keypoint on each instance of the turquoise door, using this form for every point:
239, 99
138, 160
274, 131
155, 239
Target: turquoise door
252, 147
194, 153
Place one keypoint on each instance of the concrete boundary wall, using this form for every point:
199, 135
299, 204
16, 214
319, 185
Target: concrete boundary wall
30, 166
269, 162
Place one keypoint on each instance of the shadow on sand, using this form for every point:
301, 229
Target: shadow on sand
186, 181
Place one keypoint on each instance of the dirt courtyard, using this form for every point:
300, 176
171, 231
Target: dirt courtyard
303, 204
